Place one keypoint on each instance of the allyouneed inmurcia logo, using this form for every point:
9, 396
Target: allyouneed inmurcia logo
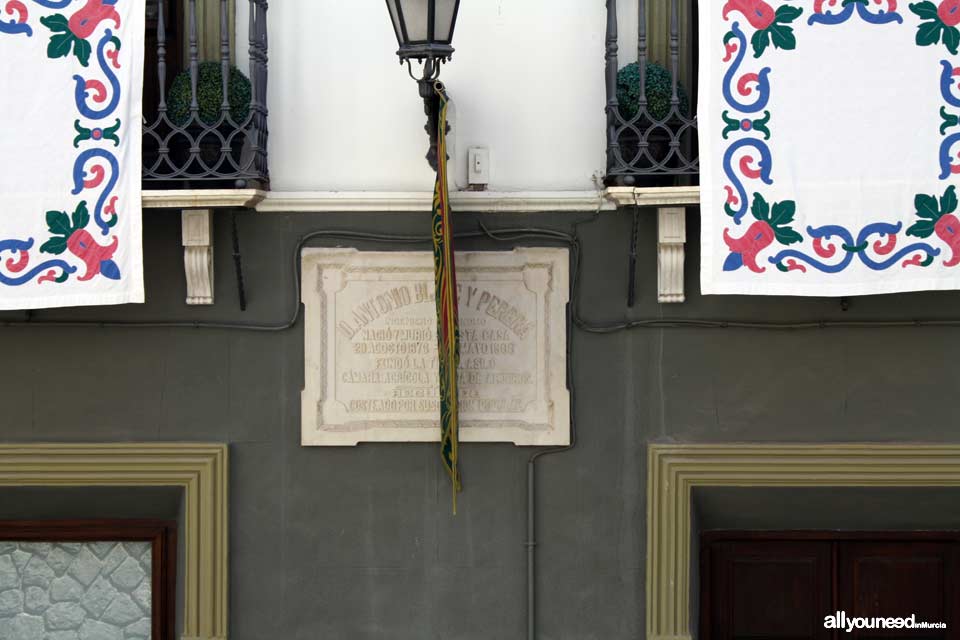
840, 620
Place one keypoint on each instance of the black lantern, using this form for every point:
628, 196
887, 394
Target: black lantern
424, 28
424, 31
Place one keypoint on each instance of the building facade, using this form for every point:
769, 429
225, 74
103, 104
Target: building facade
689, 413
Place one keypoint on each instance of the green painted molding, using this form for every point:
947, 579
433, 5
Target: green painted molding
199, 469
674, 470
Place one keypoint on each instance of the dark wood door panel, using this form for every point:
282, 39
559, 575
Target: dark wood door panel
899, 579
781, 585
772, 590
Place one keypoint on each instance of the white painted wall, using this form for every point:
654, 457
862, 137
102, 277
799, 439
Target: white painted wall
526, 79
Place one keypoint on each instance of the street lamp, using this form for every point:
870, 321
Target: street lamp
424, 31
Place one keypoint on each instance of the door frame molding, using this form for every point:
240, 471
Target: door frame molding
160, 534
673, 471
200, 470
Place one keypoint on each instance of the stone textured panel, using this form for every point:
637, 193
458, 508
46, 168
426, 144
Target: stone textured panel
11, 602
101, 592
371, 347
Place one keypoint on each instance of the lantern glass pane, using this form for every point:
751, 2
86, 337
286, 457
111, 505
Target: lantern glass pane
415, 17
446, 14
392, 6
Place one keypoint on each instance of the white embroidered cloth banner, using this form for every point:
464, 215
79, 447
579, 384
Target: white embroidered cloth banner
829, 138
71, 79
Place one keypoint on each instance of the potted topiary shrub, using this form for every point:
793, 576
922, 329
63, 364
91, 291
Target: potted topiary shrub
658, 124
210, 102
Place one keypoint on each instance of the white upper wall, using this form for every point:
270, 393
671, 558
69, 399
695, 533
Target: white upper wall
526, 81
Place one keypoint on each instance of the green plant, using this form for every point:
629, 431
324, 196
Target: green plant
659, 91
209, 95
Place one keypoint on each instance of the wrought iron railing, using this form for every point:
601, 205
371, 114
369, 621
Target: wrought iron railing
651, 120
205, 121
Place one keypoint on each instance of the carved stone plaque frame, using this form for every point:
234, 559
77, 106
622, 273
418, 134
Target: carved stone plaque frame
370, 347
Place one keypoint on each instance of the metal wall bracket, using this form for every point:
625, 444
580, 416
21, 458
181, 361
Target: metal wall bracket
197, 228
671, 237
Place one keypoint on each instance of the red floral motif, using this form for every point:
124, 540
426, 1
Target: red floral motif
818, 4
915, 261
883, 248
822, 250
757, 238
85, 21
948, 230
82, 245
793, 265
949, 12
15, 6
757, 12
18, 265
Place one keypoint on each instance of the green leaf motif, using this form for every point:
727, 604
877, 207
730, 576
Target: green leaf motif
926, 10
948, 203
82, 49
760, 42
760, 209
783, 213
80, 217
929, 33
951, 38
56, 245
926, 207
921, 229
786, 13
783, 37
786, 235
856, 248
949, 120
59, 223
57, 23
60, 45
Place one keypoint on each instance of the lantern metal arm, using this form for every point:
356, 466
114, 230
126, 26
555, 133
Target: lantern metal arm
431, 103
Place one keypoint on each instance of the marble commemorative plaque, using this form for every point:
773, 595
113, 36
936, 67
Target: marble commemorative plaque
371, 347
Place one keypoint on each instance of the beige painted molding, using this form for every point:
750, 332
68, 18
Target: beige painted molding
422, 201
199, 469
202, 198
653, 196
413, 201
674, 470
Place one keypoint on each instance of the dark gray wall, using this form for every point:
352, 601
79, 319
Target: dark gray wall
359, 543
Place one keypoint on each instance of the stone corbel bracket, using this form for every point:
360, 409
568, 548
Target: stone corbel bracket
671, 238
197, 208
670, 203
197, 228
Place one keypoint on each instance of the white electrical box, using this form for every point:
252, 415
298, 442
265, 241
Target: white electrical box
478, 166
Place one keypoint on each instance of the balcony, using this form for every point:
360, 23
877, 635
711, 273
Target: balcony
652, 96
205, 99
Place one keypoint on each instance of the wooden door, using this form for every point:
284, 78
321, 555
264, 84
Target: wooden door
781, 585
